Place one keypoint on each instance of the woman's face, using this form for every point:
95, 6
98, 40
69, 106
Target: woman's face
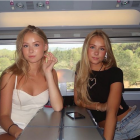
96, 51
33, 47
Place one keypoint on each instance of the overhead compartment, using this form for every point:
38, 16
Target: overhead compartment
71, 19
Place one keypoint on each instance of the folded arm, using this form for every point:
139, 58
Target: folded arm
93, 106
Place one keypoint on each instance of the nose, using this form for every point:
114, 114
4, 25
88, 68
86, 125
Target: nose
31, 49
96, 51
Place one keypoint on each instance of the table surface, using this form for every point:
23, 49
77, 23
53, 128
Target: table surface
48, 124
87, 122
46, 117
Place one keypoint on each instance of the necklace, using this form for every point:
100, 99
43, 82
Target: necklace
93, 79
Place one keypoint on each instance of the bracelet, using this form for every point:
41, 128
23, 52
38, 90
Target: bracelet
10, 127
97, 106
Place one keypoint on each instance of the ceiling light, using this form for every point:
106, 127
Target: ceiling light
124, 2
40, 4
20, 5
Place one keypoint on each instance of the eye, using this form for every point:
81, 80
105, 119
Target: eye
102, 49
36, 45
92, 47
25, 46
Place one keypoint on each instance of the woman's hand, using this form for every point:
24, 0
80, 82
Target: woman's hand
18, 133
51, 61
103, 106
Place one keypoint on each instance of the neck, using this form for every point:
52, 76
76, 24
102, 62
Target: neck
34, 69
98, 67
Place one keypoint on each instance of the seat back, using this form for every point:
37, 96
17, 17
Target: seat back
65, 76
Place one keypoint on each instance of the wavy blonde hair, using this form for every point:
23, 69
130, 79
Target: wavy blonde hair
21, 66
83, 69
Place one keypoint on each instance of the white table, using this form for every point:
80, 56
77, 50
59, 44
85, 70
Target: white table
51, 125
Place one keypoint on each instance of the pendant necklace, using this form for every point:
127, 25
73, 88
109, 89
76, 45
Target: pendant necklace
94, 79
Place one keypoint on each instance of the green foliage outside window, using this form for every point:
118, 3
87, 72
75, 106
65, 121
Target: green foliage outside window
127, 56
128, 59
6, 59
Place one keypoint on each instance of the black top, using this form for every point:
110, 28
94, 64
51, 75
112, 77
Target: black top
100, 91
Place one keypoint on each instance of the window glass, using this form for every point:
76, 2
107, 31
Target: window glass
67, 54
7, 55
128, 59
127, 56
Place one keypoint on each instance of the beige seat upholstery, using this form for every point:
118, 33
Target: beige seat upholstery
65, 76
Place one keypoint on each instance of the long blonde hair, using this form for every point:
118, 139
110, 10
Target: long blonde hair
83, 69
21, 66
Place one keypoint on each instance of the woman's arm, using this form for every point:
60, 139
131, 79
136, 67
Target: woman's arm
52, 80
7, 86
93, 106
54, 92
113, 104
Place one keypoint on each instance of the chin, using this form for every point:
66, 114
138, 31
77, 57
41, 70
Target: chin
34, 61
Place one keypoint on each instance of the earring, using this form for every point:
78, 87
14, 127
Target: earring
106, 55
45, 52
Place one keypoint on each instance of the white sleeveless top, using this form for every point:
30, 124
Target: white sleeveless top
25, 106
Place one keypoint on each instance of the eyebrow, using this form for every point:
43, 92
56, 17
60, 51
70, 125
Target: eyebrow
33, 42
92, 44
95, 45
36, 41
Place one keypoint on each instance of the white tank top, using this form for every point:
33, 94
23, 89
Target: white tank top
25, 106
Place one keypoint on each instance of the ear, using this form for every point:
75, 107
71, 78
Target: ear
46, 47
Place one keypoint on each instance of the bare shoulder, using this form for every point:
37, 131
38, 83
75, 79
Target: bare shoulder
7, 78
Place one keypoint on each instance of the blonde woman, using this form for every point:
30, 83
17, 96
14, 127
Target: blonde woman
27, 85
99, 87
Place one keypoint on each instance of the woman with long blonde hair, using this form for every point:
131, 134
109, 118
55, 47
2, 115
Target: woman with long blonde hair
99, 87
26, 86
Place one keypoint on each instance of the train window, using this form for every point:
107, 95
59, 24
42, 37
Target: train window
6, 56
128, 59
68, 55
127, 55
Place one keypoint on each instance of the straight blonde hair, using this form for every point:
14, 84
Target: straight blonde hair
83, 69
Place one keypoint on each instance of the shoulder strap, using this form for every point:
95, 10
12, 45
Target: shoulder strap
15, 81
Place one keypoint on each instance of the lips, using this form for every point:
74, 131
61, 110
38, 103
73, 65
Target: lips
31, 56
95, 58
